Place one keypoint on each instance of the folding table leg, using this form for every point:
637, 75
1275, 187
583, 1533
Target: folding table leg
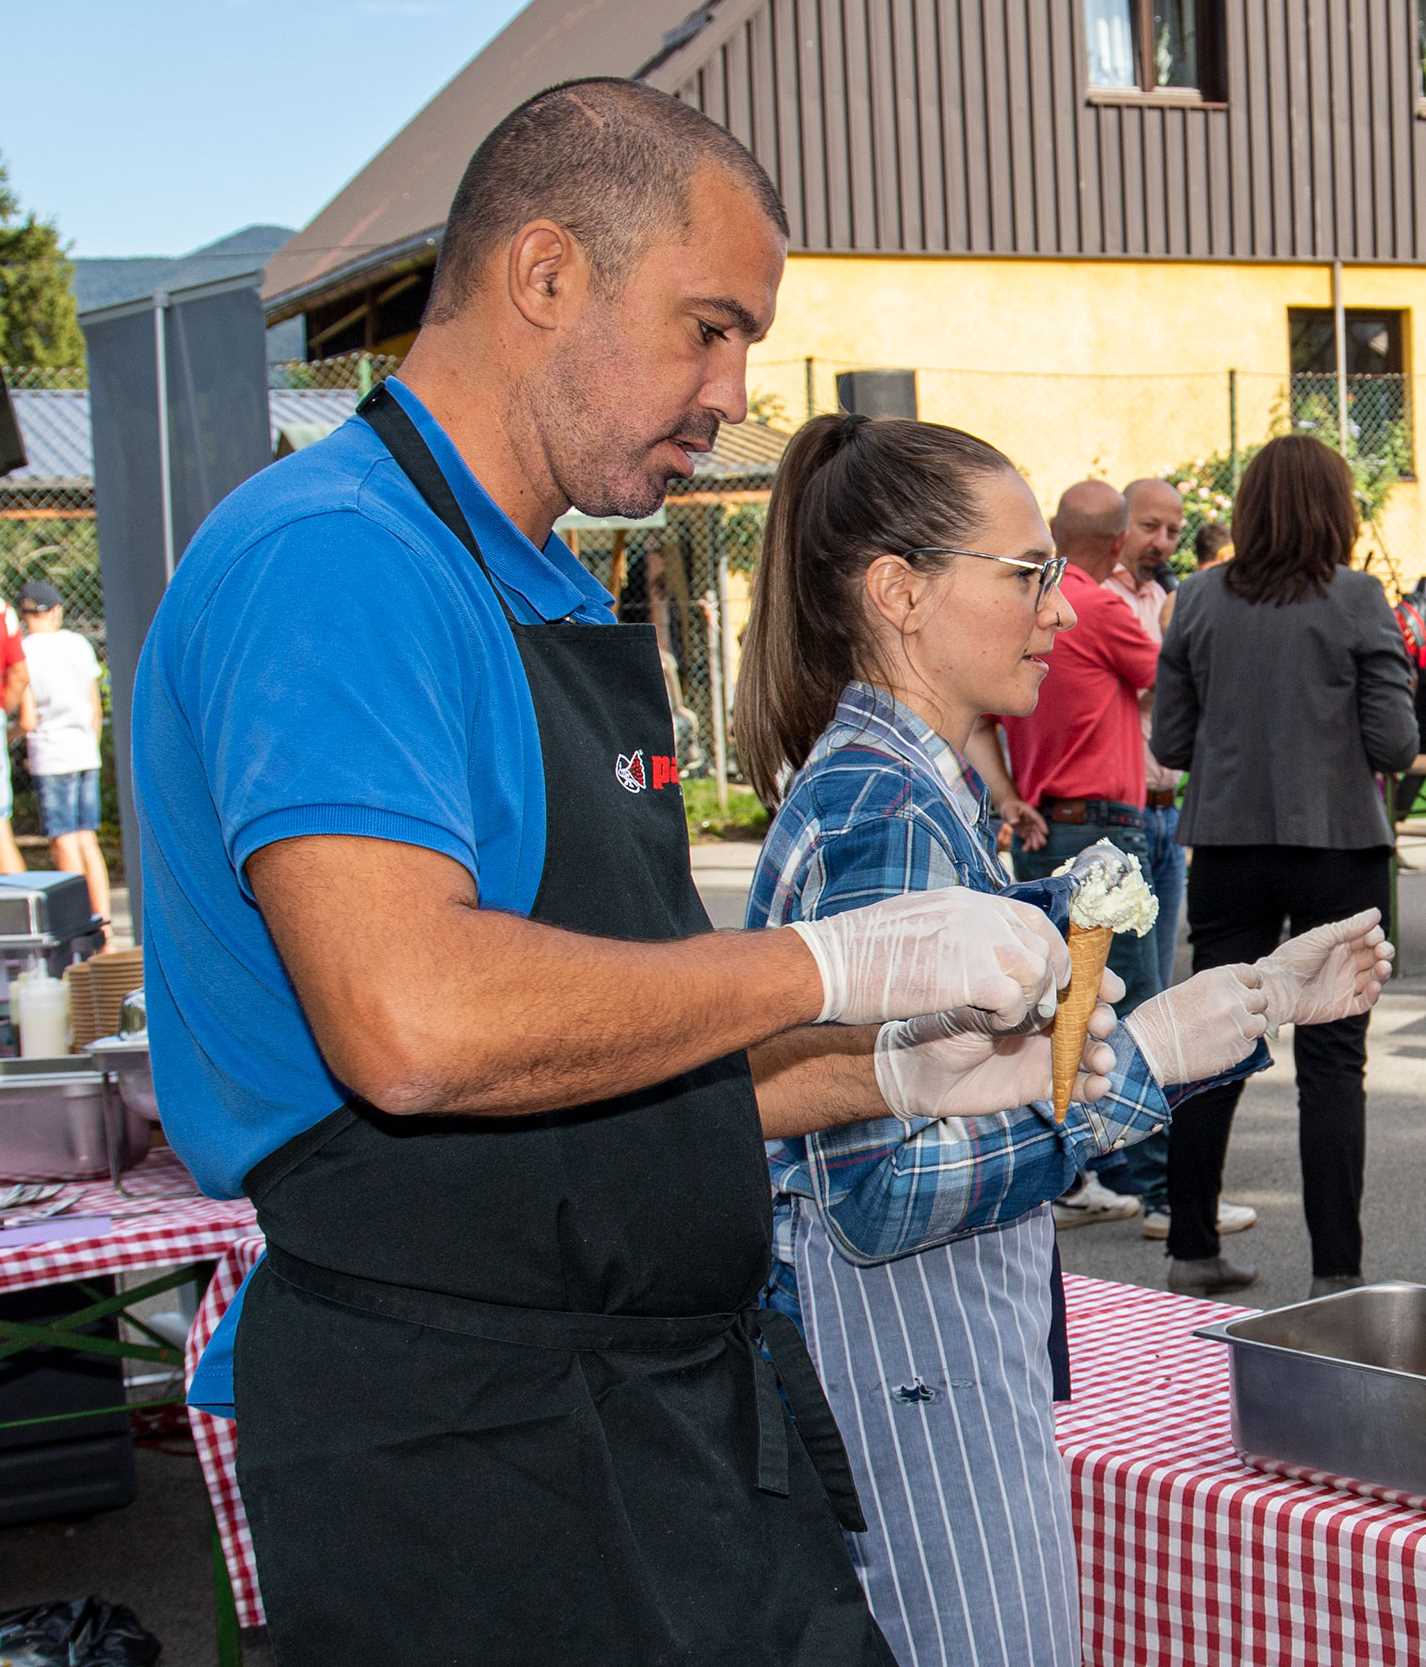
225, 1610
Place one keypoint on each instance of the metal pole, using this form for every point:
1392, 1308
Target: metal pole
713, 630
809, 373
165, 469
728, 648
1339, 331
1234, 462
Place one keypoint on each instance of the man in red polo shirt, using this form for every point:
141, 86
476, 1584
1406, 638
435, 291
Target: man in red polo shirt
1078, 758
1077, 775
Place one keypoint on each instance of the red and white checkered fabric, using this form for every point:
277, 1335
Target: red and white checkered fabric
165, 1222
217, 1438
1188, 1558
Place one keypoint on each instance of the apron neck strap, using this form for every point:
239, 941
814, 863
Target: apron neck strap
383, 411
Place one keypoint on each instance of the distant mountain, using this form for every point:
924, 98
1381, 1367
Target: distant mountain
103, 282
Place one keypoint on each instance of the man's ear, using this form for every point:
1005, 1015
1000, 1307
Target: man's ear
894, 591
547, 273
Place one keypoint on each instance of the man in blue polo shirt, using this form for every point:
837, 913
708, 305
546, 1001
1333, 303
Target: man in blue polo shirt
429, 981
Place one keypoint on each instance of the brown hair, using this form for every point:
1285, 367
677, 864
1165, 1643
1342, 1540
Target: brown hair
849, 489
611, 160
1294, 522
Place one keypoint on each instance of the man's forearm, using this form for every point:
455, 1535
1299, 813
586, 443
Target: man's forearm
816, 1078
488, 1013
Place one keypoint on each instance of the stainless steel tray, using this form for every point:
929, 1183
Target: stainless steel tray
1334, 1390
59, 1120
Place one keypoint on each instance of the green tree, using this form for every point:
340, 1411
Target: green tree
39, 323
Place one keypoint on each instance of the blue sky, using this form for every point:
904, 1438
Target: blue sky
154, 126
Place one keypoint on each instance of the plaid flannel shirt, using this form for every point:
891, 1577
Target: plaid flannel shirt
882, 806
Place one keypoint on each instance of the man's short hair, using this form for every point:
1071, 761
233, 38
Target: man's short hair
1210, 538
611, 160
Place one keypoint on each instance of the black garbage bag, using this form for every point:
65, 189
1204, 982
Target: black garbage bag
85, 1633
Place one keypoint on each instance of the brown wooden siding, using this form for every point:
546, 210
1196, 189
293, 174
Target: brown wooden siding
964, 127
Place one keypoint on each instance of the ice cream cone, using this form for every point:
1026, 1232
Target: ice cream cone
1089, 950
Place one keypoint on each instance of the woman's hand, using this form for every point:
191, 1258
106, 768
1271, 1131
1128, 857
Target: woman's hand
1202, 1027
1332, 972
949, 1065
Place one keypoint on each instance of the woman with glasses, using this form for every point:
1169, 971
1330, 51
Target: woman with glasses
908, 584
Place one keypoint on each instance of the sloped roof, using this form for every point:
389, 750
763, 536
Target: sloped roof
54, 424
396, 206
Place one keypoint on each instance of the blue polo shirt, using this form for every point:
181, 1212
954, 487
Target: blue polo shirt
329, 659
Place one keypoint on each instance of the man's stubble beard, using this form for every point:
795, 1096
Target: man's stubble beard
581, 441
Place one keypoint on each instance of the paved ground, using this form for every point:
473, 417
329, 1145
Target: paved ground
154, 1555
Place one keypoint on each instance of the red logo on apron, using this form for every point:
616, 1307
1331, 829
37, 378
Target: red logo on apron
629, 772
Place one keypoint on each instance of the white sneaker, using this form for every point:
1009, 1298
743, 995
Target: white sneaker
1232, 1218
1090, 1201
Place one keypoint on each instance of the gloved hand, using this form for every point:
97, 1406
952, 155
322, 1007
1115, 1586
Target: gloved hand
935, 1067
1331, 972
930, 950
1201, 1027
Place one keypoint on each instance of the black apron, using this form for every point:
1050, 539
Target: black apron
502, 1390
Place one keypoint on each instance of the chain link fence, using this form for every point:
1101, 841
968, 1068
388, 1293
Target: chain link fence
47, 522
689, 569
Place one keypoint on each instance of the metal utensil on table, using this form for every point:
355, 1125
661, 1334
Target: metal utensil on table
1334, 1389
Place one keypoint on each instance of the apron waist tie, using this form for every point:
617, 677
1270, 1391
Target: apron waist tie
786, 1360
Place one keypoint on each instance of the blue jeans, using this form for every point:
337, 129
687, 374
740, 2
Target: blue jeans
69, 803
1142, 1168
1166, 876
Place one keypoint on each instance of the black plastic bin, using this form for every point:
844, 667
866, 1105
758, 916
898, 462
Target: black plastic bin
80, 1464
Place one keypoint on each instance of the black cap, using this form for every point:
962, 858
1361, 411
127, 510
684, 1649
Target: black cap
38, 596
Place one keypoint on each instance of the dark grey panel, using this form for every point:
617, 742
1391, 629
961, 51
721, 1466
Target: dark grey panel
218, 436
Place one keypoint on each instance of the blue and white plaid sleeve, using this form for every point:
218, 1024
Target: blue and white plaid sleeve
887, 1188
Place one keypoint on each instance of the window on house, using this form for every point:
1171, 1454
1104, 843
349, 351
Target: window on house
1420, 51
1148, 46
1378, 396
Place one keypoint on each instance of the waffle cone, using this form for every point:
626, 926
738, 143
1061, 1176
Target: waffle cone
1089, 950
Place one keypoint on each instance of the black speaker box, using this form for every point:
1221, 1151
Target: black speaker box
878, 393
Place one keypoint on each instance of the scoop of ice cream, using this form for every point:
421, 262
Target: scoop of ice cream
1108, 895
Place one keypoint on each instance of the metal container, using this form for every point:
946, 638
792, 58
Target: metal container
44, 905
126, 1058
1334, 1389
60, 1121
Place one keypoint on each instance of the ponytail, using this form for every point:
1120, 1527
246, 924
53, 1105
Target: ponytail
849, 488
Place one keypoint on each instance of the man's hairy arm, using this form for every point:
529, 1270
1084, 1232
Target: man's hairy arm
815, 1078
422, 1002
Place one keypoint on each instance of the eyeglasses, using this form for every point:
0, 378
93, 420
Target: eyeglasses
1051, 571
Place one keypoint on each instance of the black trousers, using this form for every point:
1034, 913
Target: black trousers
1239, 899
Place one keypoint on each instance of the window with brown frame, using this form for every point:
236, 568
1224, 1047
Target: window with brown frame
1138, 48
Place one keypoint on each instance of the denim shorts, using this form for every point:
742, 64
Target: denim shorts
7, 796
69, 803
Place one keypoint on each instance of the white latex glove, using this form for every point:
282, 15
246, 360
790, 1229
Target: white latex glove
930, 950
1201, 1027
1331, 972
934, 1067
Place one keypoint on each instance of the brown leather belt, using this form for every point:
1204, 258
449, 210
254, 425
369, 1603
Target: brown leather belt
1159, 798
1111, 812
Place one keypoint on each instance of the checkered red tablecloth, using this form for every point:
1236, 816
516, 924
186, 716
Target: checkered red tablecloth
1187, 1557
217, 1439
163, 1222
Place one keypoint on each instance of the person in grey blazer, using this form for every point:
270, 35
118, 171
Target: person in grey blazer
1282, 688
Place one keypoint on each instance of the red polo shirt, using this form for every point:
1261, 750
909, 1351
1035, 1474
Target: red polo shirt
1083, 740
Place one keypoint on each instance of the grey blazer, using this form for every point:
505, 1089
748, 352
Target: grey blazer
1281, 714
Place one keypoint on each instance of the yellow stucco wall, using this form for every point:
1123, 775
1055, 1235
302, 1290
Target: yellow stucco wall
1110, 368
